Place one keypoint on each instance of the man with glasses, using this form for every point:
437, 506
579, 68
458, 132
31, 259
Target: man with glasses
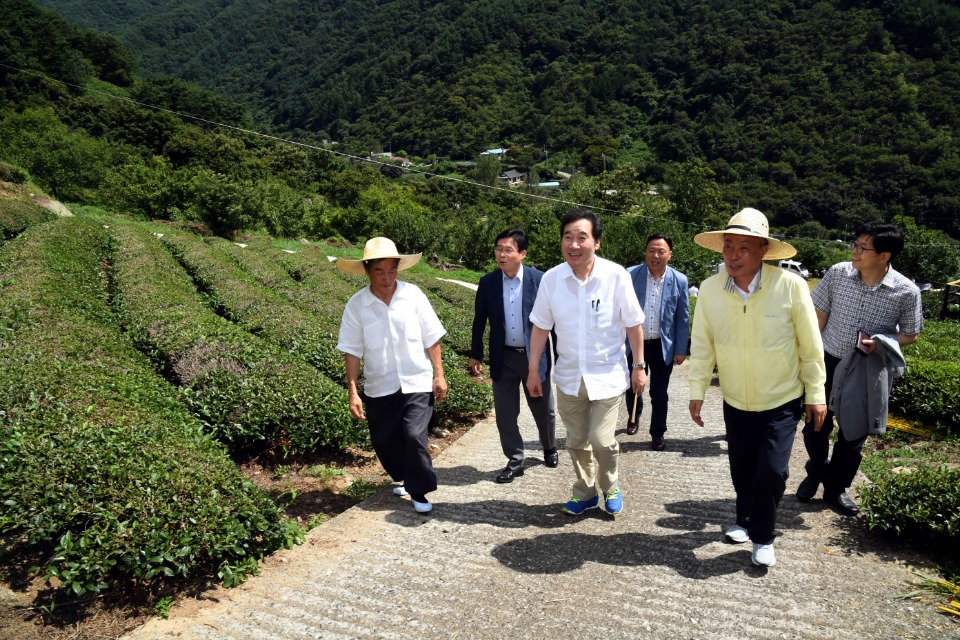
866, 294
504, 298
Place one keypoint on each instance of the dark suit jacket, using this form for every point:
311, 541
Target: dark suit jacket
674, 309
489, 306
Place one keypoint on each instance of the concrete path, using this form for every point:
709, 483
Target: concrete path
501, 561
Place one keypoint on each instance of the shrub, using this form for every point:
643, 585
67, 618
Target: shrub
246, 390
101, 469
12, 173
930, 392
921, 506
16, 216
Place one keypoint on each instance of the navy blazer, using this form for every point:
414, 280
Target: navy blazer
674, 309
489, 306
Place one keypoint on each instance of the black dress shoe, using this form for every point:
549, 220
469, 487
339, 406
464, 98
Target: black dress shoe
551, 458
843, 503
508, 474
632, 428
658, 444
807, 489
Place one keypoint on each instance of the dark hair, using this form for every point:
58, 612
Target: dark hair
518, 236
887, 238
368, 264
661, 236
582, 214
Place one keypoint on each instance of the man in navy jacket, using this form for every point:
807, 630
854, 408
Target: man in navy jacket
505, 297
663, 294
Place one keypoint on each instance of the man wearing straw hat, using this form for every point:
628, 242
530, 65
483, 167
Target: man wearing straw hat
756, 323
391, 326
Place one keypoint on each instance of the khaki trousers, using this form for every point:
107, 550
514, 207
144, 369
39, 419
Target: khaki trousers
593, 447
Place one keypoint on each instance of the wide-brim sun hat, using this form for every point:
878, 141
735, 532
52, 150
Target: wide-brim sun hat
748, 222
378, 249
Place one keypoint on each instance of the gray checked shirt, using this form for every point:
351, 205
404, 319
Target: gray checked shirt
892, 306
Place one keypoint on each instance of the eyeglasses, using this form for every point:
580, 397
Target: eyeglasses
856, 247
505, 250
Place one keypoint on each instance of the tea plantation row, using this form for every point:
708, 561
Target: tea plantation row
134, 359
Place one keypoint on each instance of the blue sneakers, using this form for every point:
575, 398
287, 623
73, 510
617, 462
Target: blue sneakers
614, 502
575, 506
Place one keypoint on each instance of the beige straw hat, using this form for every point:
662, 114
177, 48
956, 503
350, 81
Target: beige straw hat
749, 222
377, 249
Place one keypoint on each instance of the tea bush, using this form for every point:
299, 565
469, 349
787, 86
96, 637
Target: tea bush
930, 392
245, 389
101, 468
16, 216
257, 309
920, 506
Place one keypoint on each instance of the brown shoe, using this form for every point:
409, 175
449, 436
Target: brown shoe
632, 428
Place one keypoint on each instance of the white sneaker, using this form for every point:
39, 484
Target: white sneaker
763, 555
736, 534
422, 507
399, 491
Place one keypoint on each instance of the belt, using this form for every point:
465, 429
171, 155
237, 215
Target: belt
516, 349
652, 340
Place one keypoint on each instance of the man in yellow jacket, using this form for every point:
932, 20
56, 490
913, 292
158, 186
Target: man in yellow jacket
757, 325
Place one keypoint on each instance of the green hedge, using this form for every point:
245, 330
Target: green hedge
930, 392
921, 507
247, 390
101, 469
257, 309
16, 216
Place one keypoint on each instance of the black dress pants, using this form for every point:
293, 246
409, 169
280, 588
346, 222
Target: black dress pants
759, 445
398, 425
836, 472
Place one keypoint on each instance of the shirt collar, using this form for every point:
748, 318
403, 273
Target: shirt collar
754, 285
519, 275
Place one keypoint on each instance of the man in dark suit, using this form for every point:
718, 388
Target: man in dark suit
505, 297
663, 294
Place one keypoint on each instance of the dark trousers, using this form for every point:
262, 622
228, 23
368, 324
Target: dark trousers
659, 382
836, 472
398, 429
759, 445
506, 402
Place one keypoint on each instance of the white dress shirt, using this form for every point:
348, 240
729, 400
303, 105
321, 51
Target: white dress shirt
513, 310
651, 306
591, 318
391, 341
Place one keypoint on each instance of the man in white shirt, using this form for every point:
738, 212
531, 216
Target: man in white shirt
591, 304
391, 326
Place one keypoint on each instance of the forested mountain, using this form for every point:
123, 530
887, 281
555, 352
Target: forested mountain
831, 111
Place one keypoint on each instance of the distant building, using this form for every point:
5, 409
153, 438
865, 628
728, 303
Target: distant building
512, 178
545, 185
500, 153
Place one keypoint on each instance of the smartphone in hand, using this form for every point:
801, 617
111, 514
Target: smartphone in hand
862, 348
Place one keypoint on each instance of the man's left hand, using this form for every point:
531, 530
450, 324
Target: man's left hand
816, 413
439, 388
638, 380
678, 360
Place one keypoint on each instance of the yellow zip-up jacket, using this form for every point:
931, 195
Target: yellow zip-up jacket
767, 350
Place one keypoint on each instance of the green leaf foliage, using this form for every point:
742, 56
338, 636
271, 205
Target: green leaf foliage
100, 466
921, 506
247, 390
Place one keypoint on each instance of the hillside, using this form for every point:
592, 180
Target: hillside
827, 111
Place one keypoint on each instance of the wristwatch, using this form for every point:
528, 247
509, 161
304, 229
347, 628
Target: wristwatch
640, 365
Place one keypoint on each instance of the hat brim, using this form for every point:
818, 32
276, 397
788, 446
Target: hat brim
713, 240
355, 267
